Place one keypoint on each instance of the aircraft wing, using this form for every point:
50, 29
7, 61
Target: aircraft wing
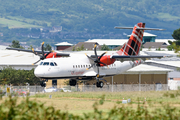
133, 58
37, 51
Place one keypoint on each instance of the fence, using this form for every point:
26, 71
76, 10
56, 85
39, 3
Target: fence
23, 90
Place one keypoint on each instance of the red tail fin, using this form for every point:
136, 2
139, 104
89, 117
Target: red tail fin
132, 47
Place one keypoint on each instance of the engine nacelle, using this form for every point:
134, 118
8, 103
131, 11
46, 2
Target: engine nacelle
107, 60
52, 55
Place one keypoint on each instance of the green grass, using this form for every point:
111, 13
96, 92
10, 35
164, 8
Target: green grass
166, 16
78, 102
22, 19
15, 23
93, 105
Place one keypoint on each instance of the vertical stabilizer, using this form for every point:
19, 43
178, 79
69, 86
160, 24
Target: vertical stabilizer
132, 47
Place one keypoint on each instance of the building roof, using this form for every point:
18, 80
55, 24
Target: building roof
119, 42
155, 45
146, 35
17, 58
86, 45
64, 44
164, 40
143, 68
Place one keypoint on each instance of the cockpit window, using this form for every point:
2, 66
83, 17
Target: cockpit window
55, 64
46, 63
51, 64
41, 63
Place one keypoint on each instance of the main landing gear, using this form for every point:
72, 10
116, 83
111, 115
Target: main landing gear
72, 82
99, 84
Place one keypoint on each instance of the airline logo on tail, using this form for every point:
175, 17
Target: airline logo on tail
132, 47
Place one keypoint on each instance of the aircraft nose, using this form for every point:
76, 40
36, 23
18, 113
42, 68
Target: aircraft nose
38, 72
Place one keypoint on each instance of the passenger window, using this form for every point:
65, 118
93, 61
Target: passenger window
51, 64
46, 63
41, 63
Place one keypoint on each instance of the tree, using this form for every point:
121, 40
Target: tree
31, 47
176, 36
48, 47
78, 48
8, 75
105, 47
16, 44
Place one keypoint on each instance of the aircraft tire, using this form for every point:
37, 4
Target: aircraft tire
101, 84
97, 84
43, 84
72, 82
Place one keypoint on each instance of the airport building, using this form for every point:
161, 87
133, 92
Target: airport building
149, 41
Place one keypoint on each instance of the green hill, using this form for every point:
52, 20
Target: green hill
94, 16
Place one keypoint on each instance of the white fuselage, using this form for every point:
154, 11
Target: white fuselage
76, 66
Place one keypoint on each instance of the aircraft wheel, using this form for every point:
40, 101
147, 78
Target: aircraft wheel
97, 84
101, 84
43, 84
72, 82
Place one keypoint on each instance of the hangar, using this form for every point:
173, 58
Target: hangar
142, 74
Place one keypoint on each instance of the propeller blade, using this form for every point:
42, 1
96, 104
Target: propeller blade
90, 66
97, 72
102, 63
102, 55
47, 54
89, 57
42, 48
95, 51
36, 62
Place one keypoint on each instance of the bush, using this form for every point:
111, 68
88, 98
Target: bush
9, 109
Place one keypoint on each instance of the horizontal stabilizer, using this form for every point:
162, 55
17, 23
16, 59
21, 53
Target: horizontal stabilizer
139, 28
133, 58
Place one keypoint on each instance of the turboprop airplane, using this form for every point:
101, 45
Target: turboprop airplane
85, 67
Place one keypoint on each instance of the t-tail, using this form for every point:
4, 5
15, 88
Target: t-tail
132, 47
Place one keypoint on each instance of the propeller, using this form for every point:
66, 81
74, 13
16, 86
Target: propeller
43, 56
97, 60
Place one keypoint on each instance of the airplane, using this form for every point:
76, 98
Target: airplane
85, 67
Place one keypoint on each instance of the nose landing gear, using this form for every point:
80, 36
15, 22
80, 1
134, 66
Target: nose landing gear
43, 83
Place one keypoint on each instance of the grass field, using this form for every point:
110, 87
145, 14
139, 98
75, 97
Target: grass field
82, 102
154, 105
15, 23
